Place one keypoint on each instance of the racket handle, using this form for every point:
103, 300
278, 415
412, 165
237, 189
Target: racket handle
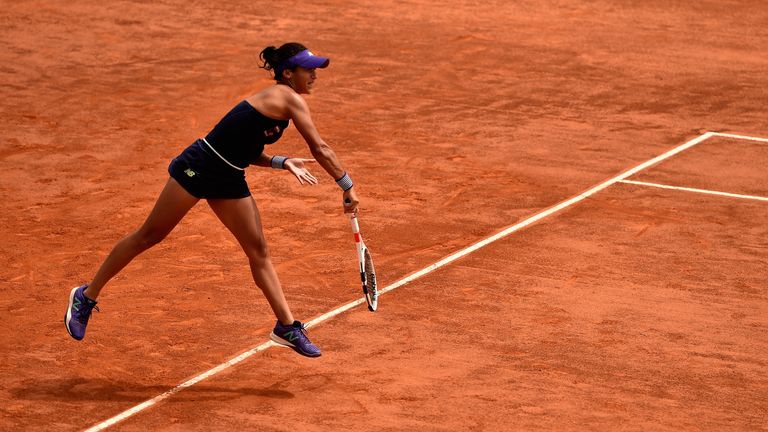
351, 216
353, 222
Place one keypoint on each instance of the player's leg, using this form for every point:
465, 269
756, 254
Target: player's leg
241, 217
173, 203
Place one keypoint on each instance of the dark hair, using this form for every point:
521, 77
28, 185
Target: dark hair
273, 57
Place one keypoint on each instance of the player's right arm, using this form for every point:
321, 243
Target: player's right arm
321, 151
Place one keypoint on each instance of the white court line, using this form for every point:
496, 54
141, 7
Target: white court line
703, 191
453, 257
742, 137
190, 382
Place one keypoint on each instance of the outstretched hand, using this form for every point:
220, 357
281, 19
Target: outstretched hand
297, 168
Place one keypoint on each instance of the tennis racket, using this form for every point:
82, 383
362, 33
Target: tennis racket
367, 272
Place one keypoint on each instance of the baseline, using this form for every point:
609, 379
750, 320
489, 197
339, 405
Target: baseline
702, 191
453, 257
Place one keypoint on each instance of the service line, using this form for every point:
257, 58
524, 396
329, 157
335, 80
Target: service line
449, 259
701, 191
741, 137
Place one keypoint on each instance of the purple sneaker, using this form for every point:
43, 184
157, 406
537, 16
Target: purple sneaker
78, 312
294, 336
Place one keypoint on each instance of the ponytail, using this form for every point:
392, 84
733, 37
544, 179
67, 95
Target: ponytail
274, 58
269, 58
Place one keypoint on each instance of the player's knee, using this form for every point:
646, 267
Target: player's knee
257, 251
146, 238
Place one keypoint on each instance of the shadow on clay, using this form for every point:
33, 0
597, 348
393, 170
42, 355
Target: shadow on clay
104, 390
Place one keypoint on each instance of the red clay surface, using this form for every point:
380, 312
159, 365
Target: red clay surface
638, 309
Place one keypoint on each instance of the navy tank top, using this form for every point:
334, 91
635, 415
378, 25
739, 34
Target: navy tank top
241, 135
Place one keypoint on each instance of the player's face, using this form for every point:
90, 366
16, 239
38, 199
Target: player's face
303, 79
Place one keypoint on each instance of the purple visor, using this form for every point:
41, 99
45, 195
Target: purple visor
304, 59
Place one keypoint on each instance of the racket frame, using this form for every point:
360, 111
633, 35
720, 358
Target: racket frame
371, 295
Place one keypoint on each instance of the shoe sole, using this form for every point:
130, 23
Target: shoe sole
280, 341
68, 315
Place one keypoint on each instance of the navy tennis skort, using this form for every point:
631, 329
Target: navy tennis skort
204, 175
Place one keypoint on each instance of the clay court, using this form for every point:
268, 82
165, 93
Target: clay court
617, 148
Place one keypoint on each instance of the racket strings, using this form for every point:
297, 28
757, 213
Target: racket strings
370, 274
370, 280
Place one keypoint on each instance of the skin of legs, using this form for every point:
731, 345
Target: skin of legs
242, 218
172, 205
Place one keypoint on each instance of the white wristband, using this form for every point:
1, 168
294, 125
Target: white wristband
345, 183
278, 162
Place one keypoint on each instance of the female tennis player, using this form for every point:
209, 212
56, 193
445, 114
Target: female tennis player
212, 168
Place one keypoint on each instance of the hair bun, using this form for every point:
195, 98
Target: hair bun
269, 57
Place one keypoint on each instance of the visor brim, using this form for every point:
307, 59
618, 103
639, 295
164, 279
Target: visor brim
314, 62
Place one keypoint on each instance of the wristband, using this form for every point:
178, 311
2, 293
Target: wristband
345, 183
278, 162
